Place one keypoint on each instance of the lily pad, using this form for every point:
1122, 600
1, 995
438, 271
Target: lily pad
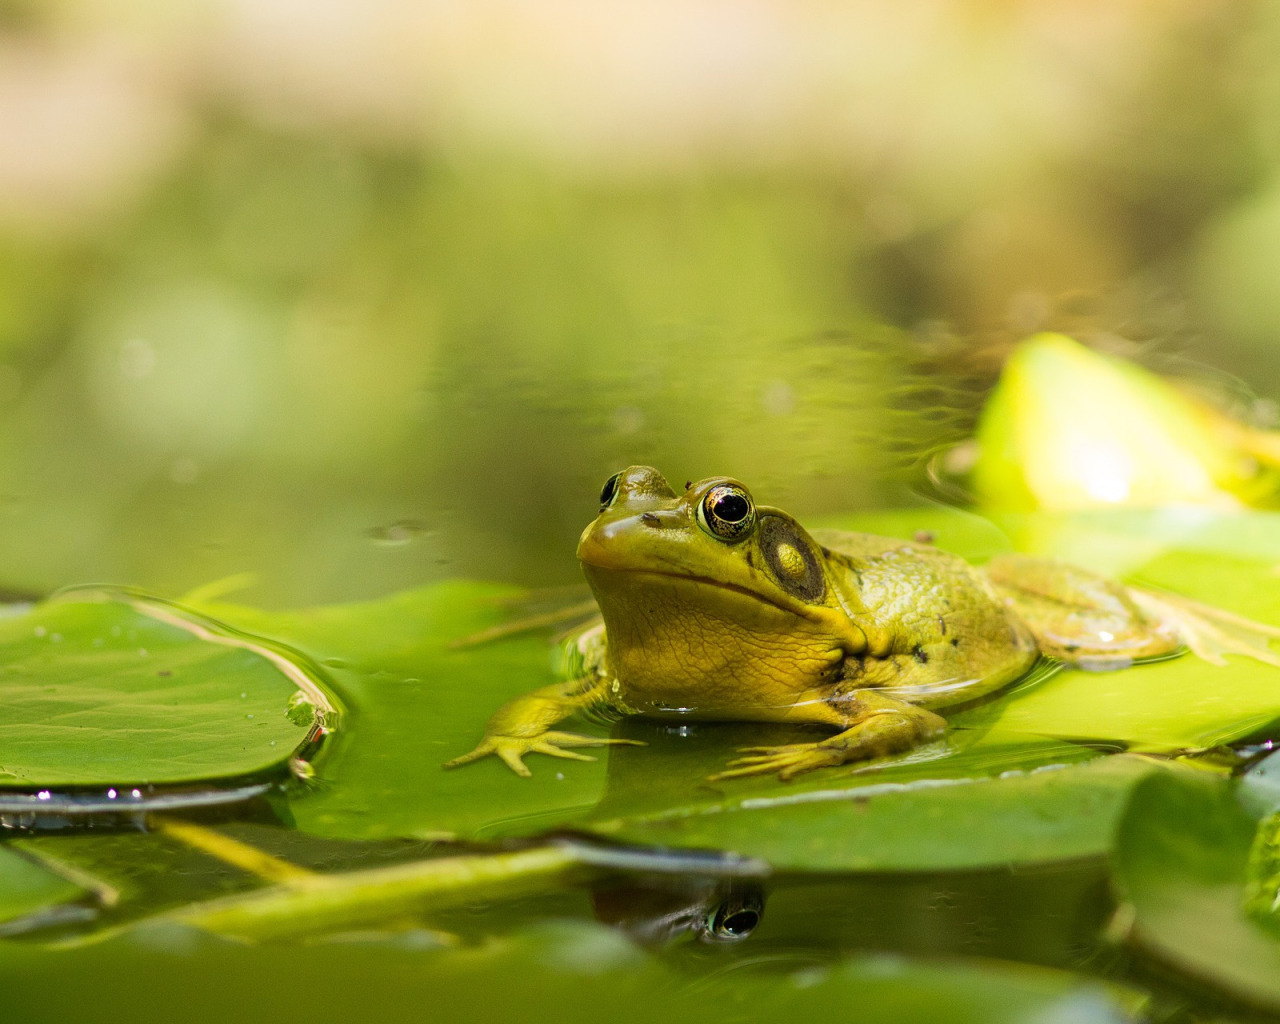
416, 700
102, 691
1182, 864
954, 818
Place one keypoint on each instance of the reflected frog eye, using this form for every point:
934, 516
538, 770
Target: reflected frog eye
609, 491
727, 512
734, 919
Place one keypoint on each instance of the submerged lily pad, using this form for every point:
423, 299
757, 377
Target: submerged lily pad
98, 690
26, 887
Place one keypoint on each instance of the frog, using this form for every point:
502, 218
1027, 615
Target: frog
715, 607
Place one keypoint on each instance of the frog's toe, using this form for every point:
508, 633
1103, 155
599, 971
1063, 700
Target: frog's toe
766, 753
554, 751
510, 749
513, 759
573, 739
484, 749
788, 761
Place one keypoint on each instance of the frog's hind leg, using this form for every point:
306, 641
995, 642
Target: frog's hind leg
1210, 633
1081, 617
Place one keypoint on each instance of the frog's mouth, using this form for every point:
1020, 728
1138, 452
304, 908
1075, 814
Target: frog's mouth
687, 579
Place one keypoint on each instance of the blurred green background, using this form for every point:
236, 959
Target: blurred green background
355, 295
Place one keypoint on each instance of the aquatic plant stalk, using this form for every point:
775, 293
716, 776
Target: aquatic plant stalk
361, 898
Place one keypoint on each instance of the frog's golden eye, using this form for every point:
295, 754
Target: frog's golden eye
609, 491
727, 512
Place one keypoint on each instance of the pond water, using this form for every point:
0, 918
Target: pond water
317, 343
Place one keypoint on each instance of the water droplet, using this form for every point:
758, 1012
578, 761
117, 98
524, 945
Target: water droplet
397, 534
44, 794
243, 696
137, 359
111, 794
40, 631
778, 398
55, 638
273, 743
627, 419
184, 470
142, 652
136, 794
248, 716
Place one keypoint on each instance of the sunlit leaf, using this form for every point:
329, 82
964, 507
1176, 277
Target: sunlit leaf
1070, 428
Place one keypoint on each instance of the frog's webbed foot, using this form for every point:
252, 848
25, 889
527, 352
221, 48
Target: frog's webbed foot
788, 761
512, 749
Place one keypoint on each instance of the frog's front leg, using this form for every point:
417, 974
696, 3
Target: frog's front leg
523, 725
875, 725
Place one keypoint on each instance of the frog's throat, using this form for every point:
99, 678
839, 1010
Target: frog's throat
851, 637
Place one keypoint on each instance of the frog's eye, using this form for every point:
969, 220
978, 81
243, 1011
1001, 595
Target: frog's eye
609, 491
727, 512
734, 919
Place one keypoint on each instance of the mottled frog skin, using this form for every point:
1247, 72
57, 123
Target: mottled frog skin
716, 608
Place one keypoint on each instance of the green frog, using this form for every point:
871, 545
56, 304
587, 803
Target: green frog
715, 607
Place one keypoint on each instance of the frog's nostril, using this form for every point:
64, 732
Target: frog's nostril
649, 519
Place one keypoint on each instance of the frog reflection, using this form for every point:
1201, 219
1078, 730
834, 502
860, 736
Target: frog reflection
708, 911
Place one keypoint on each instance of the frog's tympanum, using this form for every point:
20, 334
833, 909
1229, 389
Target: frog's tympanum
718, 608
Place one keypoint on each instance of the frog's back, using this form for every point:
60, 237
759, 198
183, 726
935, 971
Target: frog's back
946, 636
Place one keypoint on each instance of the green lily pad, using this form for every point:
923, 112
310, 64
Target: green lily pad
1182, 863
415, 701
954, 818
103, 691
